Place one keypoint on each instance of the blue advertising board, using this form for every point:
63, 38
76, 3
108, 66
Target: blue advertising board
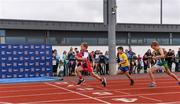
23, 61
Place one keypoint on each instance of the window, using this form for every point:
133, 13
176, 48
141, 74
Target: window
2, 36
15, 40
163, 41
90, 41
120, 41
73, 41
176, 41
148, 41
136, 41
35, 40
52, 40
2, 33
121, 38
102, 41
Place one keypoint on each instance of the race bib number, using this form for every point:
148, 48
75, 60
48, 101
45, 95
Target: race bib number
86, 54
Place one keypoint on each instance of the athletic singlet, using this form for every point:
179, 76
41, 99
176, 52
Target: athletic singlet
160, 61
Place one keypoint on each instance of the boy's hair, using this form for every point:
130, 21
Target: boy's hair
120, 48
154, 43
85, 44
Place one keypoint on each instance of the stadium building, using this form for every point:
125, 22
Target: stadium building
63, 35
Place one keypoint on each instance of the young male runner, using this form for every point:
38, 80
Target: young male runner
161, 64
124, 64
84, 64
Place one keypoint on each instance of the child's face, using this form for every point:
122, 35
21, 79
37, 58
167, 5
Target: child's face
120, 51
154, 47
82, 47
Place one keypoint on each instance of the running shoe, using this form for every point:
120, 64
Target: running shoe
80, 81
152, 85
104, 83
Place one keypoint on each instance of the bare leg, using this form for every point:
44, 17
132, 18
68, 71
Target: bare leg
151, 72
78, 71
95, 76
128, 75
130, 78
120, 73
103, 80
172, 74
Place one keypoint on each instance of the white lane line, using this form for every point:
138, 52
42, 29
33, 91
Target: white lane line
35, 95
152, 94
175, 102
31, 90
139, 80
102, 101
51, 101
100, 97
146, 88
157, 100
143, 83
5, 103
21, 86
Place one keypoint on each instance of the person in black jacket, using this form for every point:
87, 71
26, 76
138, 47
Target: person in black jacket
177, 61
147, 60
102, 63
170, 58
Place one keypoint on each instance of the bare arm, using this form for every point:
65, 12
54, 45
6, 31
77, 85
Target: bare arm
162, 54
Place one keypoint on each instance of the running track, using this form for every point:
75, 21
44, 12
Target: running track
117, 91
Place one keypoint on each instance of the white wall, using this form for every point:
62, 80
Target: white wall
137, 49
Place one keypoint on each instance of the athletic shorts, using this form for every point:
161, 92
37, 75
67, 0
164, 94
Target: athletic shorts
87, 67
160, 66
124, 69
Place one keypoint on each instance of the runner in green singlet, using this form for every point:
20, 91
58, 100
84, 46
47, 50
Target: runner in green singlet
161, 64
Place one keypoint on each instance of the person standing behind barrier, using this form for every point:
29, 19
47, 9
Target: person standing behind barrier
71, 62
96, 57
102, 62
130, 58
139, 64
56, 59
92, 58
147, 60
177, 61
107, 62
65, 61
169, 58
76, 50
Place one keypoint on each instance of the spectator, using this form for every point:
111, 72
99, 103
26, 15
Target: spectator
134, 64
147, 60
177, 61
170, 58
102, 62
96, 57
107, 62
92, 58
130, 58
71, 62
139, 64
56, 59
65, 61
76, 50
126, 52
